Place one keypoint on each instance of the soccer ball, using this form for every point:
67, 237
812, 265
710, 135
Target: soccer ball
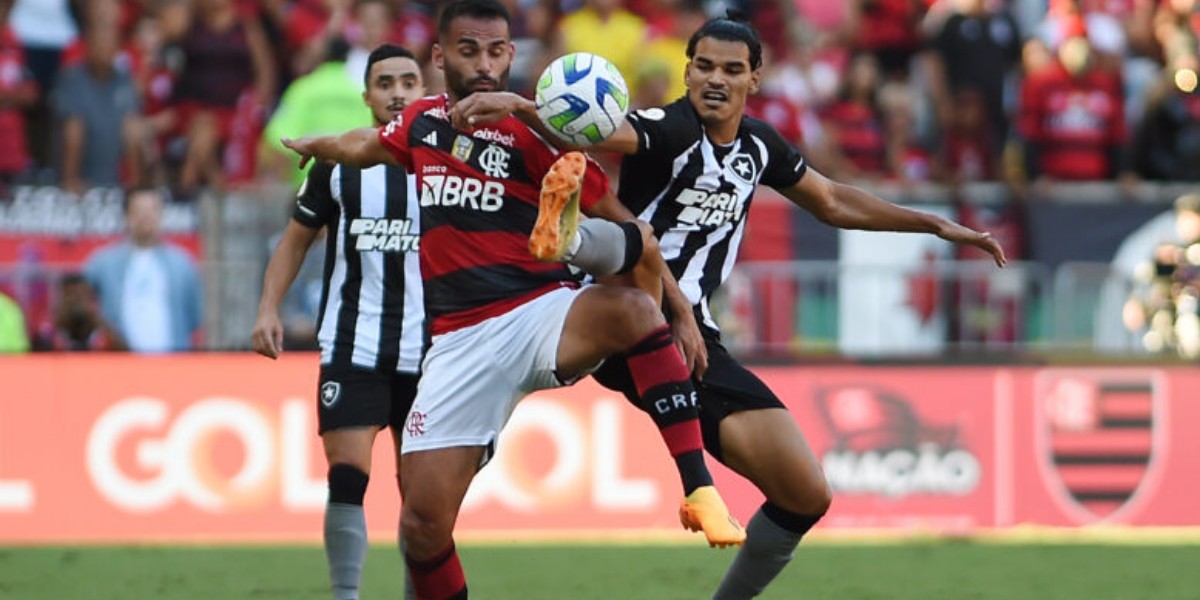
582, 98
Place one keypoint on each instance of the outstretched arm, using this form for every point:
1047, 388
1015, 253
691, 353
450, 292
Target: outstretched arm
489, 107
848, 207
267, 337
359, 148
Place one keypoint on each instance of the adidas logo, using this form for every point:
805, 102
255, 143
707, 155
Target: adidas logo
430, 139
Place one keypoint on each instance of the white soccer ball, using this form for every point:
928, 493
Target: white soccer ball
582, 98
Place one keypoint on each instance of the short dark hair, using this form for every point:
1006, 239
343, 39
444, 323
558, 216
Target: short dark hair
479, 9
337, 49
132, 191
384, 52
731, 28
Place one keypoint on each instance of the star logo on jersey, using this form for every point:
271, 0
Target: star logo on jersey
742, 167
330, 392
462, 148
494, 161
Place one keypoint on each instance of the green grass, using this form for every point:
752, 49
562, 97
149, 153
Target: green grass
915, 570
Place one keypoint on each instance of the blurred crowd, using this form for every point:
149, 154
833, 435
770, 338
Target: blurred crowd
180, 92
186, 95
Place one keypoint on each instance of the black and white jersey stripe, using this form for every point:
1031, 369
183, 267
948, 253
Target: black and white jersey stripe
372, 311
696, 194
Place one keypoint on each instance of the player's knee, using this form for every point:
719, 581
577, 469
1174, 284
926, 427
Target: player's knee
638, 236
822, 499
425, 527
639, 314
347, 484
814, 498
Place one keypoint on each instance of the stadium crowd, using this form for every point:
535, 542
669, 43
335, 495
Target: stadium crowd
194, 94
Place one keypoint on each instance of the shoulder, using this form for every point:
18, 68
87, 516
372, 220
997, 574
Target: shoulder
433, 106
763, 131
676, 124
107, 254
756, 126
175, 254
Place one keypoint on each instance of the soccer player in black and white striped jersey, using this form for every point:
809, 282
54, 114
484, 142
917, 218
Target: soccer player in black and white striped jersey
371, 322
692, 170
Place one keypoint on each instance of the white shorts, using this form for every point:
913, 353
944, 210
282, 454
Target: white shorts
472, 378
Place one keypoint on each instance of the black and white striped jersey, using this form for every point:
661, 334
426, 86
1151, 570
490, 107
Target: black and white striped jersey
696, 194
372, 311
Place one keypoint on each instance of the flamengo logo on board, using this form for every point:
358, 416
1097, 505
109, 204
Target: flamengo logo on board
881, 446
1101, 441
176, 459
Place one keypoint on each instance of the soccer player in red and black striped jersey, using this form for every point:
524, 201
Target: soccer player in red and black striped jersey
503, 322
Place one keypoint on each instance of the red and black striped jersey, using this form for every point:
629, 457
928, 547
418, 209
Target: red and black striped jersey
479, 200
1074, 120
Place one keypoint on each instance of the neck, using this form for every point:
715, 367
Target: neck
722, 134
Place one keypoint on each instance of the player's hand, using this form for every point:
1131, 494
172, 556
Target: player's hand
267, 338
690, 343
959, 234
485, 108
305, 147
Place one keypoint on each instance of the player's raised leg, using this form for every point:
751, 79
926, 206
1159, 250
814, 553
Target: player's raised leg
634, 328
766, 447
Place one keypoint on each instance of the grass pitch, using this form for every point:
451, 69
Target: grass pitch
926, 570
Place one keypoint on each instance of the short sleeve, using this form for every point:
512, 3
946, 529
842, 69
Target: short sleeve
394, 136
315, 205
785, 165
654, 127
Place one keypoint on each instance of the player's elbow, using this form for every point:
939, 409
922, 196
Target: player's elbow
832, 213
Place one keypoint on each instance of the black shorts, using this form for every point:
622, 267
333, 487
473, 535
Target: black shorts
727, 387
349, 396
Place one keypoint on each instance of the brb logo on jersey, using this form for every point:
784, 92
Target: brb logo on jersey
880, 446
384, 235
466, 192
709, 209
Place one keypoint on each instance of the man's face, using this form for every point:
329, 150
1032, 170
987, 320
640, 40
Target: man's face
144, 217
475, 55
719, 79
77, 303
392, 84
1075, 55
101, 47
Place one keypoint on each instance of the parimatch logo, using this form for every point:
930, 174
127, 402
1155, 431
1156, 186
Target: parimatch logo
385, 235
